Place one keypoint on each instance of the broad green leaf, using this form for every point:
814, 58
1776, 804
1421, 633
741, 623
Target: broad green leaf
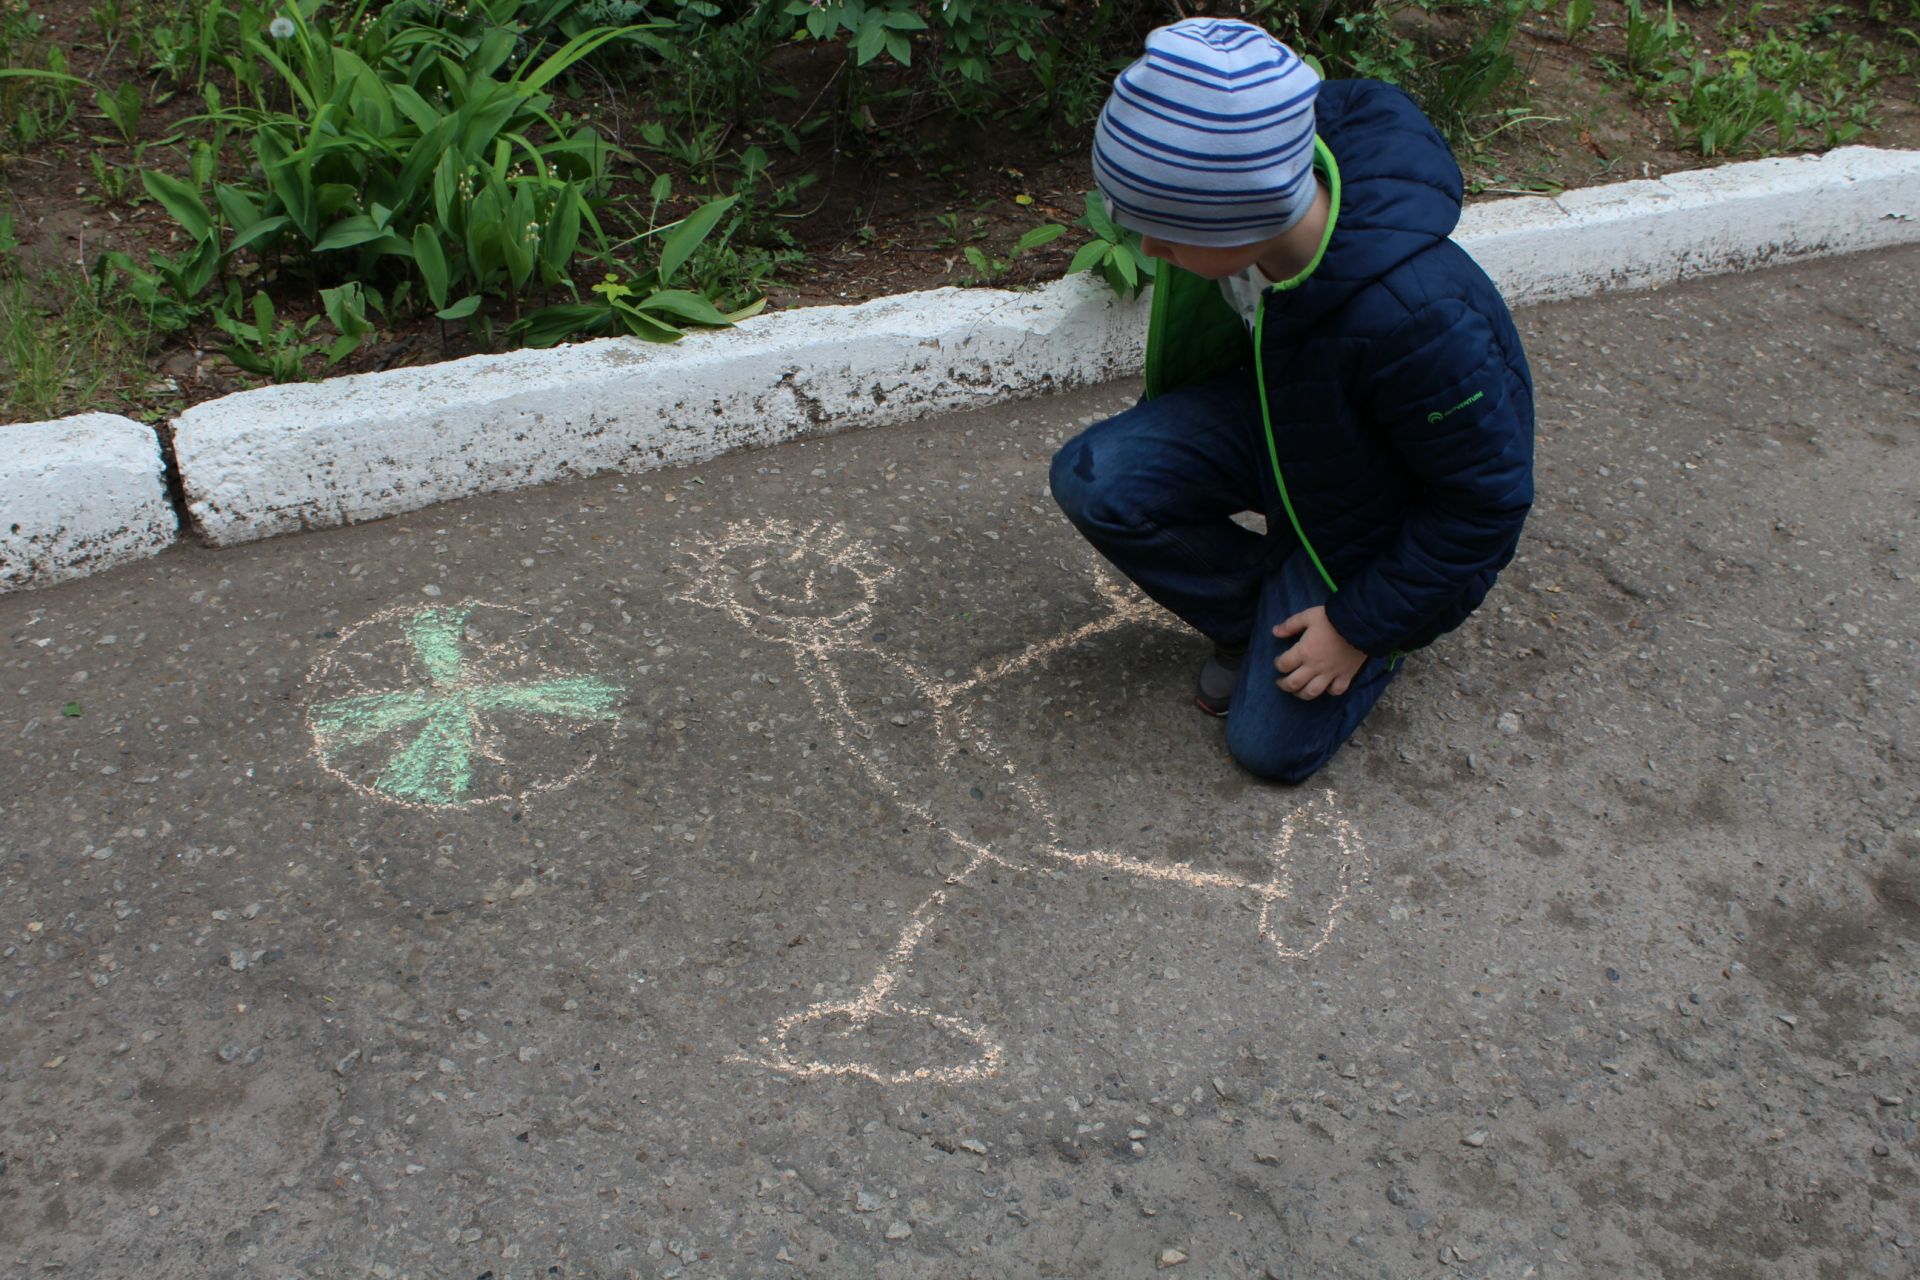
263, 313
424, 115
354, 229
333, 197
289, 180
461, 309
346, 307
515, 254
341, 348
747, 312
264, 229
483, 249
1098, 220
678, 244
432, 261
868, 44
555, 324
563, 229
180, 200
638, 324
1093, 251
241, 209
687, 306
1038, 236
246, 360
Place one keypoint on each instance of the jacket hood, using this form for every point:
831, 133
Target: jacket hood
1400, 193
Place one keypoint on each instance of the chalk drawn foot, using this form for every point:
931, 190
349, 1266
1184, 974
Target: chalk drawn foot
887, 1042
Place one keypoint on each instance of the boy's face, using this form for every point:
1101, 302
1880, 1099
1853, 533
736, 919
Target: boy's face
1210, 262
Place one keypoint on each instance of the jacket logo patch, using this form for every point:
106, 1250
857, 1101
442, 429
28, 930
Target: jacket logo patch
1437, 416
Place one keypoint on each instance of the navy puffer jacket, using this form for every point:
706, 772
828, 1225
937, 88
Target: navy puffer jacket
1400, 406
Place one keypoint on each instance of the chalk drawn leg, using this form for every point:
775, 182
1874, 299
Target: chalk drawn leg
880, 1037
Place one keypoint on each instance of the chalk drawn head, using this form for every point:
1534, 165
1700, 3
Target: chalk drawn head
457, 705
808, 584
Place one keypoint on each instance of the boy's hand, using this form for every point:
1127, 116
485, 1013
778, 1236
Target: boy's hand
1321, 661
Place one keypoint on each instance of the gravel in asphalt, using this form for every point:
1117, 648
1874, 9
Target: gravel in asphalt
810, 864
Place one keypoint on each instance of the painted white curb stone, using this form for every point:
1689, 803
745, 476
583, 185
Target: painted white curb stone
79, 495
283, 458
1703, 222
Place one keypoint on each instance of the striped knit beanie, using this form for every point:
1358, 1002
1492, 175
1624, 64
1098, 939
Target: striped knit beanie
1208, 139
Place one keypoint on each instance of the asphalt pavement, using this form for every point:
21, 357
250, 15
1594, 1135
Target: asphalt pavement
809, 864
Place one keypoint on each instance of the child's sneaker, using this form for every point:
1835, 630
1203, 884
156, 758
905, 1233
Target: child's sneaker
1218, 675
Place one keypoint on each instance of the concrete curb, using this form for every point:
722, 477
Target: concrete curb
80, 495
1634, 235
282, 458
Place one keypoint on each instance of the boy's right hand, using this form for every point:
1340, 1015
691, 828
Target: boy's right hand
1321, 661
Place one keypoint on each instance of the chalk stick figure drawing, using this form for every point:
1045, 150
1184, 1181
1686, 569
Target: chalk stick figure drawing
813, 590
473, 709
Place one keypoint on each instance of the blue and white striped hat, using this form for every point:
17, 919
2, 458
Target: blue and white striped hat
1208, 139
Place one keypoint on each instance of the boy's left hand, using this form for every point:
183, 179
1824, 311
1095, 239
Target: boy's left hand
1321, 661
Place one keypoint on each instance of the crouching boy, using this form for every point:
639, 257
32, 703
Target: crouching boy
1319, 352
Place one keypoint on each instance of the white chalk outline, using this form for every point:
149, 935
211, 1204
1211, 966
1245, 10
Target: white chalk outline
816, 628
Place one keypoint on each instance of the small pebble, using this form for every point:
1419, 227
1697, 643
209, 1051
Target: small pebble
898, 1231
1169, 1258
1478, 1138
236, 959
229, 1052
866, 1202
974, 1145
1889, 1099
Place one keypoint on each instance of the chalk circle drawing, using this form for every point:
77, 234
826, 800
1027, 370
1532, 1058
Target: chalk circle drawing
459, 705
813, 589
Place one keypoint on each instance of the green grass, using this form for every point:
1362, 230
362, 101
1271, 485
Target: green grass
63, 351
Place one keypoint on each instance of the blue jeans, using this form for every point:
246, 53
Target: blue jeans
1153, 489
